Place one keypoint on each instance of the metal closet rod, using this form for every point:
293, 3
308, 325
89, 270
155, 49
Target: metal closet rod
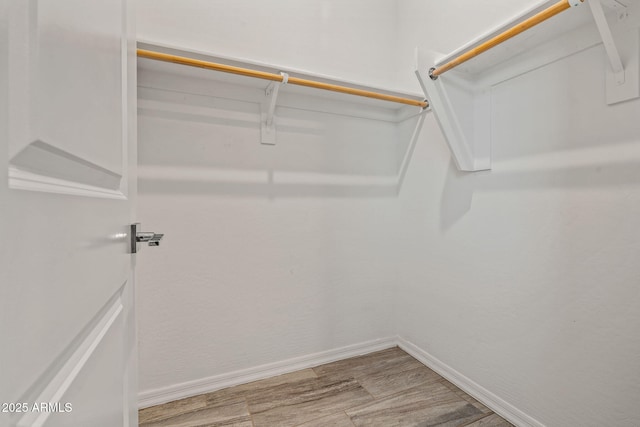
276, 77
536, 19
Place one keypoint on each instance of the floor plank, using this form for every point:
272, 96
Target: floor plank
491, 420
426, 405
465, 396
171, 409
257, 387
296, 403
369, 363
232, 413
336, 420
381, 373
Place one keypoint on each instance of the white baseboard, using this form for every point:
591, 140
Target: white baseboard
207, 385
484, 396
217, 382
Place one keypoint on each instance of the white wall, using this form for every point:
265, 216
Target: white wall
271, 252
525, 278
350, 40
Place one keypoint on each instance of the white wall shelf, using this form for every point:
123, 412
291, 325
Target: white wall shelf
271, 95
461, 98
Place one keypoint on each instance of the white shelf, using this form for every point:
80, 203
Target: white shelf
151, 65
522, 43
461, 97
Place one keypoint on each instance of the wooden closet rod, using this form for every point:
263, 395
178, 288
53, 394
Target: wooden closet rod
276, 77
536, 19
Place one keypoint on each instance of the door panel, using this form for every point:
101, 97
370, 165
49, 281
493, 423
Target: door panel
66, 198
91, 362
67, 68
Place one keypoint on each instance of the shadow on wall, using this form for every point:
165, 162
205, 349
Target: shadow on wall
196, 144
552, 130
607, 168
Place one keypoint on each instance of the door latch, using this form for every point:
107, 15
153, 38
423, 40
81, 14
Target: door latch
152, 239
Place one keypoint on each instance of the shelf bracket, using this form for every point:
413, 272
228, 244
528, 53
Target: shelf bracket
607, 39
622, 45
463, 111
268, 120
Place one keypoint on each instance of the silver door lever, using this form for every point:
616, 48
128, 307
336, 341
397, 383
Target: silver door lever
153, 239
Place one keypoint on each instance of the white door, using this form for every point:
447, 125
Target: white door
67, 182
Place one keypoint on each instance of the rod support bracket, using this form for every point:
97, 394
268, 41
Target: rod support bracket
574, 3
431, 76
267, 125
609, 41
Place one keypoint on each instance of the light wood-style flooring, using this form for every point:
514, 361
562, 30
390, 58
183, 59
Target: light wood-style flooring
386, 388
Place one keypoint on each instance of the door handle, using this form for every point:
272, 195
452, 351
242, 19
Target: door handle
152, 239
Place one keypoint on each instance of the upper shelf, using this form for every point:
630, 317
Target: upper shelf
524, 42
187, 71
459, 92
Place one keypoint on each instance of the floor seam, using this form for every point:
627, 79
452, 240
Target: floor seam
246, 402
404, 389
398, 393
477, 419
349, 417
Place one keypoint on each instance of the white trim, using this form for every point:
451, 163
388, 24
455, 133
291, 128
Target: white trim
24, 180
206, 385
484, 396
217, 382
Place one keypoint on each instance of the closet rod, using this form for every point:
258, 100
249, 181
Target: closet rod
276, 77
536, 19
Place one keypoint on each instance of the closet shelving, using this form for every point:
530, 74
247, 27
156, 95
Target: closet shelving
458, 85
279, 87
282, 77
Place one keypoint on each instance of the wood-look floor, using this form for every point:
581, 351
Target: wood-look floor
386, 388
